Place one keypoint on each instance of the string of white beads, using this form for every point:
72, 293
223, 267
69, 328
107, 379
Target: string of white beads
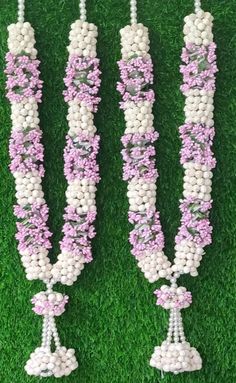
139, 117
134, 40
21, 11
80, 119
141, 194
197, 5
82, 7
24, 114
133, 11
81, 195
155, 265
83, 39
198, 28
199, 107
67, 268
21, 38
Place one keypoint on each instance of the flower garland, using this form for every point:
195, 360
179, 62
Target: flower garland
147, 240
24, 91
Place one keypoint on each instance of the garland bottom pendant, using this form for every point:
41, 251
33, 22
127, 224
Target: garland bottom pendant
44, 361
175, 354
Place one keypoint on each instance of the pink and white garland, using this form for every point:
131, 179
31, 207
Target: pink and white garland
147, 239
24, 91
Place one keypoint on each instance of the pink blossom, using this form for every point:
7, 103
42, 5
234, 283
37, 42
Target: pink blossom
26, 151
78, 231
147, 233
136, 75
200, 67
197, 141
139, 156
82, 81
80, 157
22, 78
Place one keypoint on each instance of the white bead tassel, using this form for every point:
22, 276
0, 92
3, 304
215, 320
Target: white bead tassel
82, 7
43, 361
197, 5
21, 11
133, 11
175, 354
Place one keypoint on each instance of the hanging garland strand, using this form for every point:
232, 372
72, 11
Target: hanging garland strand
194, 233
24, 91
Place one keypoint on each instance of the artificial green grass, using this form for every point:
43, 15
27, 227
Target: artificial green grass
112, 320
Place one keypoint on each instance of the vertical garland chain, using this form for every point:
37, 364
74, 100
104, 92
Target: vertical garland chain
21, 11
197, 5
133, 11
82, 6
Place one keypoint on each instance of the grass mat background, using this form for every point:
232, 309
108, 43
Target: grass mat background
112, 320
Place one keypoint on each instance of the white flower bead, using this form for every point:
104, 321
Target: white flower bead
134, 40
67, 268
81, 195
80, 119
187, 257
139, 117
37, 265
21, 38
24, 114
199, 107
154, 265
197, 181
176, 357
45, 363
141, 194
198, 28
83, 39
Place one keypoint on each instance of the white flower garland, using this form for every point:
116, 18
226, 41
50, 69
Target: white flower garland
26, 152
175, 354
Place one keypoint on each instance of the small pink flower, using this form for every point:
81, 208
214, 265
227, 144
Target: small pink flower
171, 297
136, 76
22, 78
82, 81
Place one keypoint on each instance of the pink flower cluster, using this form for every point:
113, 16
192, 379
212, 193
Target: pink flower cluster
195, 224
139, 156
171, 299
32, 229
78, 231
147, 233
80, 157
82, 81
136, 76
22, 78
52, 304
26, 151
200, 67
196, 144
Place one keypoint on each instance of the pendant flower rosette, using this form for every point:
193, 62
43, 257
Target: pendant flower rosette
146, 237
24, 91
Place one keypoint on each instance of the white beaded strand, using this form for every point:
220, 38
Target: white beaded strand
82, 6
21, 11
197, 5
133, 11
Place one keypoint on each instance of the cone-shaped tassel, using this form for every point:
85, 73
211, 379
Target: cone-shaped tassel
43, 361
175, 354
